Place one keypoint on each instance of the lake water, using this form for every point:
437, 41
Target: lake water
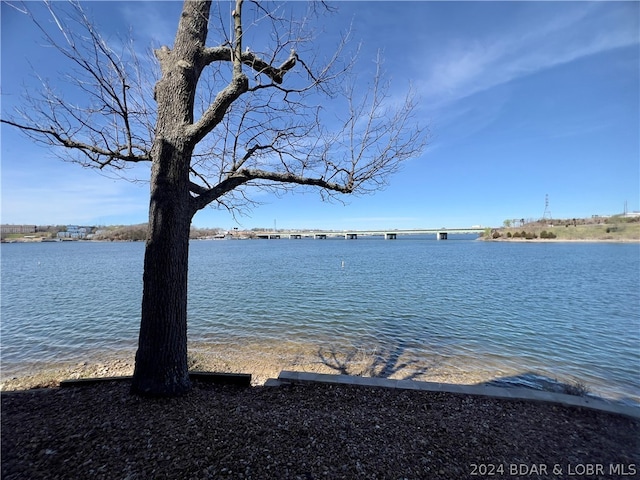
524, 311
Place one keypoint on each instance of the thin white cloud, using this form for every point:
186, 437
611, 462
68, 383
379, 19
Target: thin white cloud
151, 21
475, 65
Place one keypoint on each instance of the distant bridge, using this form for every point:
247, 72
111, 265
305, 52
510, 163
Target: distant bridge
440, 233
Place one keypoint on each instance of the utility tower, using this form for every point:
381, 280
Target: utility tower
547, 213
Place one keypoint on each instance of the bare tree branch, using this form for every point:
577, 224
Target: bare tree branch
250, 59
239, 84
268, 134
206, 196
113, 127
376, 136
97, 155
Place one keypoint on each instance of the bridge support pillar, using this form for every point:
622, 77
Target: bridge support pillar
390, 236
441, 236
350, 236
295, 236
321, 236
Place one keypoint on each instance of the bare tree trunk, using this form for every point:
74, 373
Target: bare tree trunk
161, 361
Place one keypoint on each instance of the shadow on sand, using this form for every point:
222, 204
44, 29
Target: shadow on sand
545, 383
393, 363
379, 363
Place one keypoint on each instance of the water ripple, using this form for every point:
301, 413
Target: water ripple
567, 310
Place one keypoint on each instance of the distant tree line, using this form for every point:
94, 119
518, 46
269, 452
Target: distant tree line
570, 222
123, 233
138, 233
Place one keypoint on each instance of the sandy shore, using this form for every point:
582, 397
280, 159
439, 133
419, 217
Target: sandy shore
265, 359
262, 361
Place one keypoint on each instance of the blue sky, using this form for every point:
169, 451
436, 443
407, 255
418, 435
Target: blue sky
522, 99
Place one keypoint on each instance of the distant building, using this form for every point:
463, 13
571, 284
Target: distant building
75, 232
25, 229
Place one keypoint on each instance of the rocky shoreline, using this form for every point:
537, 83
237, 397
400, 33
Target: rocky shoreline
264, 360
260, 366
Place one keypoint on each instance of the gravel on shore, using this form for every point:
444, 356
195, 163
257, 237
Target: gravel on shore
261, 360
264, 360
306, 432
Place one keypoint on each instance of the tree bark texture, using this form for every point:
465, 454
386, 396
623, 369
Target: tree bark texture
161, 360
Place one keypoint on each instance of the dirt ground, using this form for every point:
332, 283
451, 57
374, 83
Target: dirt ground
306, 432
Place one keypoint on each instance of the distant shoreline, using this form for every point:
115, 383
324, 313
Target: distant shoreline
482, 239
485, 238
612, 230
623, 228
562, 240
